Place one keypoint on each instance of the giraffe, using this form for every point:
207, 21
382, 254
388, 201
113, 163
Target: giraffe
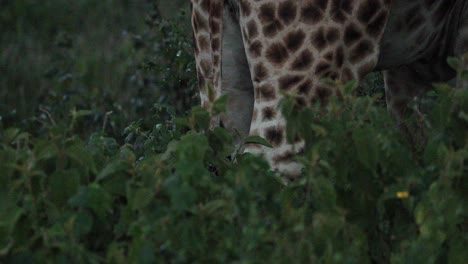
255, 51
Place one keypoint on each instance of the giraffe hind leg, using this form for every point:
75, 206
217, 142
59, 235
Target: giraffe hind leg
235, 77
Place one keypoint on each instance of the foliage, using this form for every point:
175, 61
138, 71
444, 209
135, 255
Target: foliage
106, 64
365, 194
169, 189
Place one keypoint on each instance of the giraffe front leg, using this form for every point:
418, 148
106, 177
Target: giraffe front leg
281, 156
269, 123
402, 85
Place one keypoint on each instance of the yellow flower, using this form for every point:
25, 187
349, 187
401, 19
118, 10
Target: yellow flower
402, 195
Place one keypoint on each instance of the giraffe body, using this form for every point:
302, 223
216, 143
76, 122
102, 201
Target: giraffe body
257, 50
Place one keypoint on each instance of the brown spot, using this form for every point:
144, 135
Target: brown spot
260, 72
303, 61
266, 92
289, 81
347, 75
322, 94
365, 69
318, 39
268, 18
367, 10
245, 8
352, 34
305, 87
332, 35
268, 113
252, 30
255, 49
205, 5
340, 8
339, 56
323, 69
199, 22
277, 53
376, 26
285, 157
300, 103
294, 40
322, 4
361, 50
287, 11
216, 9
329, 56
205, 66
215, 44
310, 14
274, 135
203, 43
216, 59
267, 13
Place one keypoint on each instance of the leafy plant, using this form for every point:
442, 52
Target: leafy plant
81, 184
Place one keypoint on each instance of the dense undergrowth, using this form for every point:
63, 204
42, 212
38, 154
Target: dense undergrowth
77, 186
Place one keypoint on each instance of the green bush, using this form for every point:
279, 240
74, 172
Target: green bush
365, 194
78, 187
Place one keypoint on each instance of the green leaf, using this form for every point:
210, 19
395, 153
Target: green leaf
141, 198
351, 86
257, 140
10, 215
45, 150
81, 113
82, 223
457, 249
94, 198
10, 134
220, 105
113, 167
366, 147
199, 118
454, 63
63, 184
80, 154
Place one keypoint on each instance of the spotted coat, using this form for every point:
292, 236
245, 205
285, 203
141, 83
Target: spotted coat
258, 50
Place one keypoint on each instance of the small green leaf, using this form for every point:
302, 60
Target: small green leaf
45, 150
257, 140
220, 105
351, 86
82, 223
10, 134
199, 118
141, 198
93, 197
63, 184
366, 147
454, 63
81, 113
113, 167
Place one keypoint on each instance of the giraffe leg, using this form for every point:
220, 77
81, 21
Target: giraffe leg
402, 85
235, 77
461, 49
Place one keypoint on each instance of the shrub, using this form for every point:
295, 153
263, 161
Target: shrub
74, 190
366, 196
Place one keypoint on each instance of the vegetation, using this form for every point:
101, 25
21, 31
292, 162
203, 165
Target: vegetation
103, 159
